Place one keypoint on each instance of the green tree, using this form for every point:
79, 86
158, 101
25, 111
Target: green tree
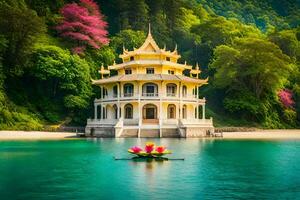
138, 14
250, 70
127, 38
287, 41
60, 77
21, 27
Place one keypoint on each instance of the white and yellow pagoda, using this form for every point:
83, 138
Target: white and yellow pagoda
150, 97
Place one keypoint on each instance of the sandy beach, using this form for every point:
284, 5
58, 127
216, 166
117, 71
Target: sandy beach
259, 134
35, 135
264, 134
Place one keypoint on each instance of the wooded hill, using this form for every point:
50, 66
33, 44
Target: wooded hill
51, 49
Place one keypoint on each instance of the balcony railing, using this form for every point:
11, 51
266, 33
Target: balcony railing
171, 94
128, 95
114, 97
146, 94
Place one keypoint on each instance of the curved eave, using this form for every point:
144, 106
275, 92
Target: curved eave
149, 77
149, 62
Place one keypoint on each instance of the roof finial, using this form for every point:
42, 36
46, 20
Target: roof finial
149, 30
124, 48
197, 66
175, 47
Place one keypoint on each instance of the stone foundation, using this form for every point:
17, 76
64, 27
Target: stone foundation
183, 132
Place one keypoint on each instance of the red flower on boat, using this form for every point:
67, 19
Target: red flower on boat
160, 149
136, 149
149, 147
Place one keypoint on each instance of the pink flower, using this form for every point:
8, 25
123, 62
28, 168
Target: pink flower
136, 149
84, 24
149, 147
286, 98
160, 149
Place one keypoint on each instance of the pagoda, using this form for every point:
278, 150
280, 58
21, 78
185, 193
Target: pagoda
151, 96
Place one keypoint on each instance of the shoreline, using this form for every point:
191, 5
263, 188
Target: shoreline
264, 134
36, 135
258, 134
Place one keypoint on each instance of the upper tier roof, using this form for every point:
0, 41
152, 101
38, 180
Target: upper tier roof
149, 62
149, 77
150, 47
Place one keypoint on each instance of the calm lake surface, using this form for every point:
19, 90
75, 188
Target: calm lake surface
213, 169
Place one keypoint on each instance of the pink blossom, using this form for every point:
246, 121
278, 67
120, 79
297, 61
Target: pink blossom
286, 98
83, 23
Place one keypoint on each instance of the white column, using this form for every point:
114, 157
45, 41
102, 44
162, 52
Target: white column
203, 111
95, 111
118, 107
122, 112
160, 109
180, 99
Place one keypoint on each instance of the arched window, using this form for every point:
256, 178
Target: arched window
128, 90
116, 111
128, 111
104, 113
184, 91
171, 89
104, 92
184, 112
171, 111
149, 111
150, 89
115, 91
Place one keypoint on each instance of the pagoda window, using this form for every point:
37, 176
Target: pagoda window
115, 111
150, 89
128, 111
128, 90
115, 91
132, 58
150, 70
168, 58
171, 89
105, 94
184, 91
128, 71
184, 111
171, 72
171, 111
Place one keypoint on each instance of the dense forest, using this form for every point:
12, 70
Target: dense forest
51, 49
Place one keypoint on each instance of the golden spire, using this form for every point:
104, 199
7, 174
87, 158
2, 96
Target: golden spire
149, 30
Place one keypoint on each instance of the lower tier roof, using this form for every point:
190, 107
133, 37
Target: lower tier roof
149, 77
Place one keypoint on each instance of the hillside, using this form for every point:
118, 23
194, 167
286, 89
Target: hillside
249, 49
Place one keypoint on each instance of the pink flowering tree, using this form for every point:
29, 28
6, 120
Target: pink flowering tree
84, 25
286, 98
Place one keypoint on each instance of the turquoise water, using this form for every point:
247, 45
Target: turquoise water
213, 169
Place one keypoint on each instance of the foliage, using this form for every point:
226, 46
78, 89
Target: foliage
67, 76
250, 71
251, 47
83, 23
21, 27
127, 38
253, 64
